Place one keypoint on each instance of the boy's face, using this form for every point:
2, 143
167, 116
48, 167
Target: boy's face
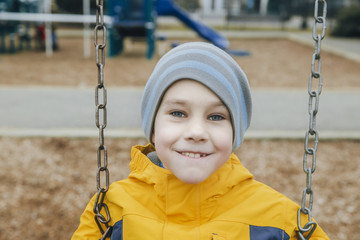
193, 135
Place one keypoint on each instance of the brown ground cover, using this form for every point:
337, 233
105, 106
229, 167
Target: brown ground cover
273, 63
45, 183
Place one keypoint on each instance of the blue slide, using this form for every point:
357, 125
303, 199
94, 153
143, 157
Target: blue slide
169, 8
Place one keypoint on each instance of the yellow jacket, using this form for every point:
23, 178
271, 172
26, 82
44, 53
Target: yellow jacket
230, 205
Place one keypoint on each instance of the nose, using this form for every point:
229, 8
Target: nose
196, 131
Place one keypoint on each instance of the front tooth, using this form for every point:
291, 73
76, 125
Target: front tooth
191, 155
197, 155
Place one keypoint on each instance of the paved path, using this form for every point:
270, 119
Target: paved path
71, 112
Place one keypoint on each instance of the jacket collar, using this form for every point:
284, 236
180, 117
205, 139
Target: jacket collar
177, 194
230, 174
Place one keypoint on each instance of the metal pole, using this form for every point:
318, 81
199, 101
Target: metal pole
48, 32
87, 32
263, 7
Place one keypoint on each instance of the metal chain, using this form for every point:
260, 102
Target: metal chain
306, 230
101, 121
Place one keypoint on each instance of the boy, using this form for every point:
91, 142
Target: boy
186, 183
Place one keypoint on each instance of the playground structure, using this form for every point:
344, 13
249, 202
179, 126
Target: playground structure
12, 28
17, 27
137, 18
124, 18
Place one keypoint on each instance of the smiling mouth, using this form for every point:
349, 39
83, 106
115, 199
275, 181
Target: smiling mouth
194, 155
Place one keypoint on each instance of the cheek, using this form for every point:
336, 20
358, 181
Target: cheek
163, 134
224, 145
223, 138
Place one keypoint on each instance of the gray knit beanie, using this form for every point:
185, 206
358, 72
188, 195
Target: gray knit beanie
209, 65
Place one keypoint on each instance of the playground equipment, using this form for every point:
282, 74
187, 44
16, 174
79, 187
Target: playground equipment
169, 8
137, 18
40, 13
125, 18
131, 19
15, 21
13, 29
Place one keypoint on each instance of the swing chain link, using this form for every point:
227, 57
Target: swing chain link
101, 122
312, 134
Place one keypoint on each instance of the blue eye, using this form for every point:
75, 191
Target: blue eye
177, 114
216, 117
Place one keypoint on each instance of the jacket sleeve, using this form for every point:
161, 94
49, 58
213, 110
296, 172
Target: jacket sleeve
88, 229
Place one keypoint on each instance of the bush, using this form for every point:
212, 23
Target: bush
347, 22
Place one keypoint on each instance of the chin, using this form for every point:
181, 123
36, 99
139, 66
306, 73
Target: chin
192, 179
